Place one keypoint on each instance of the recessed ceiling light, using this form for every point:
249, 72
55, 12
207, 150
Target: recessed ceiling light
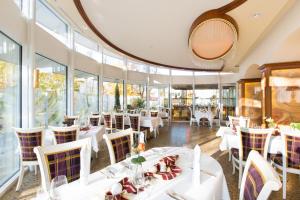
256, 15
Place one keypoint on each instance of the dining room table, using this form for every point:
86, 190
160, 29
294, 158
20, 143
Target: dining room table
94, 132
199, 114
212, 180
230, 139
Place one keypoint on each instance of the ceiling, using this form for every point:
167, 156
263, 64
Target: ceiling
158, 30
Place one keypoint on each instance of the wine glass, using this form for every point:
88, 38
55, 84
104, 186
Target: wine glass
55, 183
139, 180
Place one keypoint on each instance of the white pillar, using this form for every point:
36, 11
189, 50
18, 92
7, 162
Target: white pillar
125, 77
193, 102
101, 84
28, 67
148, 90
220, 97
70, 74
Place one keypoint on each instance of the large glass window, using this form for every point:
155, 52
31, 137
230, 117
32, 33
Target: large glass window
85, 94
206, 95
159, 96
112, 95
48, 20
136, 96
10, 56
228, 101
113, 59
136, 66
49, 92
87, 47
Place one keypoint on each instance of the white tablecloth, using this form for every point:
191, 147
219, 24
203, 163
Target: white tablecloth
231, 140
212, 187
204, 114
96, 133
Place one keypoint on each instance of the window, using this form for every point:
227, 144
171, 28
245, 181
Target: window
159, 96
48, 20
136, 66
87, 47
159, 70
136, 96
182, 73
10, 111
206, 95
85, 94
182, 100
112, 95
112, 59
50, 96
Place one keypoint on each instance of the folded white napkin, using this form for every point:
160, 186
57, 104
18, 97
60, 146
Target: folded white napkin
141, 137
196, 166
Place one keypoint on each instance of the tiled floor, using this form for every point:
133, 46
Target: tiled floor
179, 134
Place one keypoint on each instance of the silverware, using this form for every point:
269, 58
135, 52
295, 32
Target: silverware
174, 195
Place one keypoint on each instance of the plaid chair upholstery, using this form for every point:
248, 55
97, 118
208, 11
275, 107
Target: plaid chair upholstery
251, 141
134, 122
64, 163
65, 136
107, 120
121, 146
292, 152
27, 142
254, 183
94, 121
154, 113
69, 121
119, 122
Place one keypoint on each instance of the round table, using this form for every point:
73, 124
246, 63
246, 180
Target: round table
213, 184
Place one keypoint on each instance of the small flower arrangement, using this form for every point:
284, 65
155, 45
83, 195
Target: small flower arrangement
295, 126
270, 121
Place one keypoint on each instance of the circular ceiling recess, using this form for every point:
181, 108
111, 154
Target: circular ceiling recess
213, 39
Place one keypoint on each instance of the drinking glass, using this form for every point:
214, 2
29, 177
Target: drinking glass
227, 123
55, 183
139, 179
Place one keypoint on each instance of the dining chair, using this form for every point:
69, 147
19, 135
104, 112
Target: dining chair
259, 178
70, 120
108, 122
65, 134
192, 117
154, 113
289, 160
144, 113
234, 122
95, 120
27, 140
69, 159
120, 125
119, 144
166, 114
135, 124
249, 139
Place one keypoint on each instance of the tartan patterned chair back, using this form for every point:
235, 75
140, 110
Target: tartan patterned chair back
107, 120
69, 121
119, 144
135, 122
292, 150
259, 178
64, 163
28, 139
119, 121
254, 183
65, 134
94, 120
254, 139
71, 159
154, 113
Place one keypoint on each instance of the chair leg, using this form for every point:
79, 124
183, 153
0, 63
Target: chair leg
283, 184
96, 154
35, 170
240, 174
190, 122
233, 167
229, 155
20, 180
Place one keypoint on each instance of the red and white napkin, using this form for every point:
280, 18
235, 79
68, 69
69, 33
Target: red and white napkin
171, 169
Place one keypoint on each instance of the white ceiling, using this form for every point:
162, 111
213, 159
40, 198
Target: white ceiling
157, 30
